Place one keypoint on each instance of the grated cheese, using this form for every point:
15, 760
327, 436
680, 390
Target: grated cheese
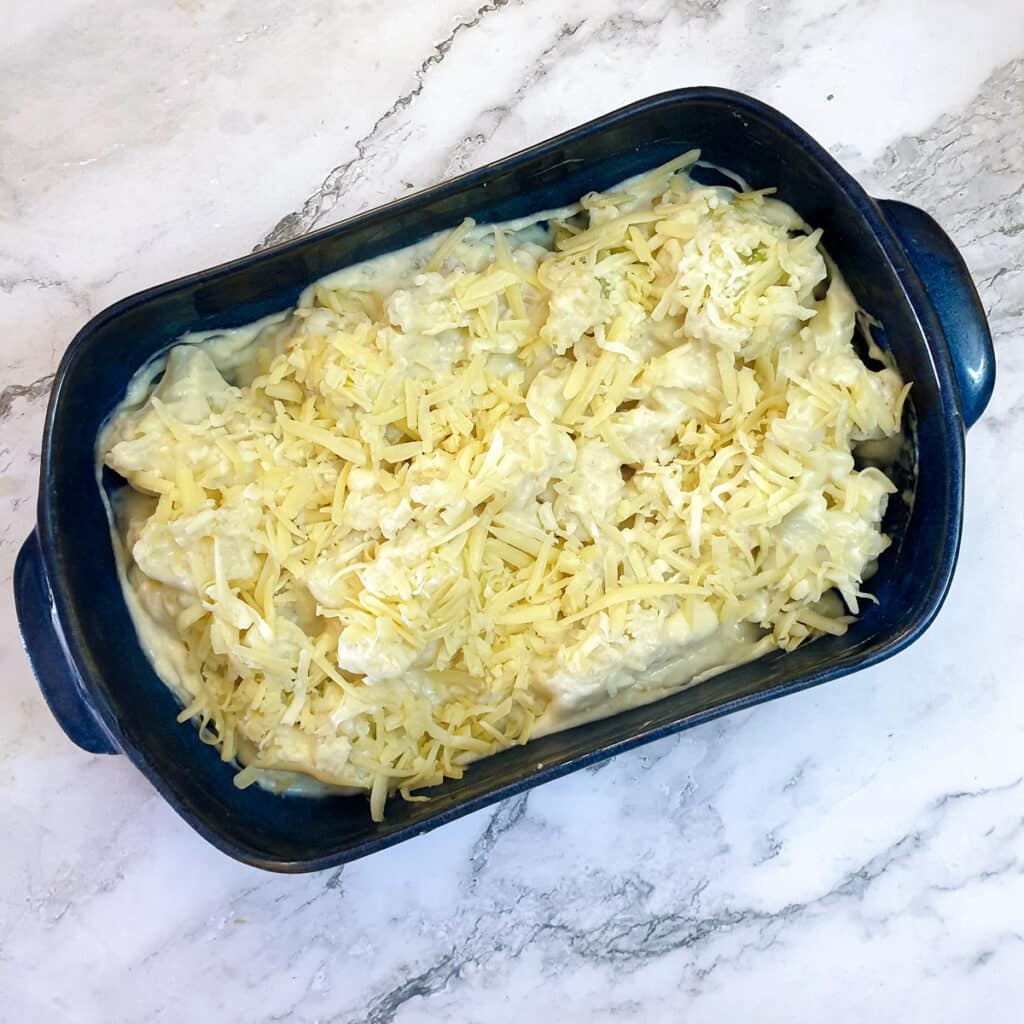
503, 481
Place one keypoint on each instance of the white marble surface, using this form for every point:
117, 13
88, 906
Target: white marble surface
853, 853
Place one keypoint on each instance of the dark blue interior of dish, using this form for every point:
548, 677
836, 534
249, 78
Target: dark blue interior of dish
296, 833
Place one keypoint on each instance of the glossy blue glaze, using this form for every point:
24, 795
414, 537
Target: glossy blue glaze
54, 669
955, 300
76, 627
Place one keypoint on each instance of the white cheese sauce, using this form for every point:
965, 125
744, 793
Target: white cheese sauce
302, 585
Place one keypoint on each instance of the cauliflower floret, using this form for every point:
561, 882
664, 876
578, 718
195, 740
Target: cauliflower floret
575, 306
602, 661
181, 551
373, 648
742, 284
545, 398
644, 433
426, 307
375, 501
523, 458
590, 494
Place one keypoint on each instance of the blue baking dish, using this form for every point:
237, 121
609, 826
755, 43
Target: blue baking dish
76, 628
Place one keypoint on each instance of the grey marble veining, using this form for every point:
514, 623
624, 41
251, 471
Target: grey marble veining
853, 852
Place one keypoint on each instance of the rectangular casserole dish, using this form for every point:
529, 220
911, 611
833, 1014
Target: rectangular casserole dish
98, 682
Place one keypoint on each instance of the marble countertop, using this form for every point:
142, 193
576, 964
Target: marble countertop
852, 853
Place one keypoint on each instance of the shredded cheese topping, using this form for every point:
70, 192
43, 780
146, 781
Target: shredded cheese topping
484, 484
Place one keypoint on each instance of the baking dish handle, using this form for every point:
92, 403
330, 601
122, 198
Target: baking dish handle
952, 293
41, 636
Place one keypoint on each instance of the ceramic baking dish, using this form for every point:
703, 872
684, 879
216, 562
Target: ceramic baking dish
76, 628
